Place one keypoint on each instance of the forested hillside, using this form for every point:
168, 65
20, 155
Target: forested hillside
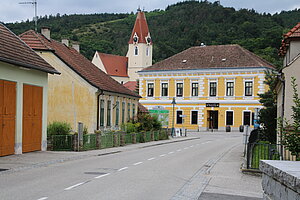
174, 29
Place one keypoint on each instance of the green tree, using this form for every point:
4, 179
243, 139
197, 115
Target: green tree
268, 114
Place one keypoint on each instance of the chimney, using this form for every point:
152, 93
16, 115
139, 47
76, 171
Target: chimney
46, 32
75, 46
65, 42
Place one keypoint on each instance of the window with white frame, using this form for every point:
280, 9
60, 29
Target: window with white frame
229, 88
101, 112
247, 117
194, 117
229, 118
195, 89
164, 89
123, 112
179, 117
248, 88
213, 88
117, 113
128, 111
179, 89
150, 92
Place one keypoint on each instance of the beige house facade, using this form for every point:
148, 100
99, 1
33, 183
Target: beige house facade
83, 93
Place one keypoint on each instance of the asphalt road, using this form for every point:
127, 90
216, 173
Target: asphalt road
170, 171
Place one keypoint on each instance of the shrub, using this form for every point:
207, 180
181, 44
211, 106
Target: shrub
59, 128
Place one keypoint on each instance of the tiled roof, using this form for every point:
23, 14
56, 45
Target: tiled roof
82, 66
114, 65
215, 56
294, 33
142, 109
140, 28
14, 51
131, 85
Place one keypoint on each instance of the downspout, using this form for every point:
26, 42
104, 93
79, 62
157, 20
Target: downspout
98, 106
282, 113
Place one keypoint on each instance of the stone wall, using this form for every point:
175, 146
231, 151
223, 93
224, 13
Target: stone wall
281, 180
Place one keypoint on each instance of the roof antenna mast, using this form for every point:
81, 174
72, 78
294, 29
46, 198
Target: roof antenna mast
34, 3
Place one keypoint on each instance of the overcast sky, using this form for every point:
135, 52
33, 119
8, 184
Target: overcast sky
12, 11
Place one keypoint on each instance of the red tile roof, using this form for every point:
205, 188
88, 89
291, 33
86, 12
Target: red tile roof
14, 51
131, 85
140, 28
142, 109
81, 65
114, 65
293, 34
215, 56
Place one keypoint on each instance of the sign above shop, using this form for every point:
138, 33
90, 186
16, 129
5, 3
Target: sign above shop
212, 104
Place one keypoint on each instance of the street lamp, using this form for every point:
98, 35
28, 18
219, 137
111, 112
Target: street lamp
173, 130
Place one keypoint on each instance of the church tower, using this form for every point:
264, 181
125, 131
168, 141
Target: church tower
139, 47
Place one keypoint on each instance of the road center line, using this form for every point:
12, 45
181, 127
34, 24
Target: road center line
179, 150
171, 152
102, 175
151, 158
162, 155
43, 198
138, 163
122, 169
74, 186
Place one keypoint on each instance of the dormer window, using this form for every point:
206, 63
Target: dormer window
135, 38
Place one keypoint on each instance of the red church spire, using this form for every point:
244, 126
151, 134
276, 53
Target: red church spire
140, 32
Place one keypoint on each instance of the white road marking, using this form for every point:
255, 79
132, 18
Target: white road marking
185, 148
171, 152
138, 163
162, 155
208, 142
151, 158
122, 169
43, 198
74, 186
192, 146
102, 175
179, 150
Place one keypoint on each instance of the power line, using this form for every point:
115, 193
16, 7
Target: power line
34, 3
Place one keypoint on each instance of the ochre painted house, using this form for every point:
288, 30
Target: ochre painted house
213, 87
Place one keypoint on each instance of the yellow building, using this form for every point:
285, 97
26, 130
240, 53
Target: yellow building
213, 87
82, 93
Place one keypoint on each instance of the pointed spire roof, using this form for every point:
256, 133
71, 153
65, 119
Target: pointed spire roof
140, 28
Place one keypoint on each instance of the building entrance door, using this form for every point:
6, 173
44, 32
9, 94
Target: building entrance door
213, 119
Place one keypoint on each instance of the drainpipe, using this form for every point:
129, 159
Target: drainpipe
98, 106
282, 113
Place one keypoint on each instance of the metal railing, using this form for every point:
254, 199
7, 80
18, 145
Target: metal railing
261, 151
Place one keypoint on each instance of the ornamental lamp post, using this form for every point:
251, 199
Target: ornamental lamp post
173, 129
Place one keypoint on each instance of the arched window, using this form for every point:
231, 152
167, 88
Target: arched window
136, 51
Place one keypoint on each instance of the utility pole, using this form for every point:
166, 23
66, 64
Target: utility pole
34, 3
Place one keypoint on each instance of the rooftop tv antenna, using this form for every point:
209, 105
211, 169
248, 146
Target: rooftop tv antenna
34, 3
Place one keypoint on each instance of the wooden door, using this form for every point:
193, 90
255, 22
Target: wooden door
7, 117
32, 118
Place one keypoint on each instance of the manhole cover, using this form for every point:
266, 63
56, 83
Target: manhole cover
95, 173
1, 169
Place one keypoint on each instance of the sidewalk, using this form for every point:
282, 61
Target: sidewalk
14, 163
228, 182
